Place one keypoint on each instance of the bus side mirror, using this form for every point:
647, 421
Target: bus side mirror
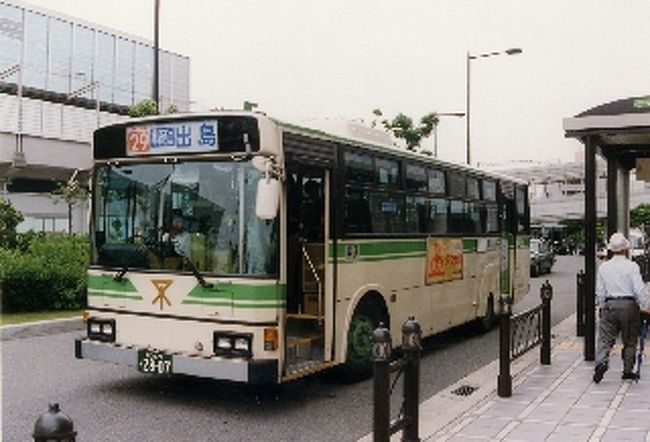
268, 189
268, 198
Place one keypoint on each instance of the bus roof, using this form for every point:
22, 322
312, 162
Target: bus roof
393, 150
321, 134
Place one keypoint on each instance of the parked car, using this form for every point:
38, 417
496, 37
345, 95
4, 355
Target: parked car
637, 244
542, 257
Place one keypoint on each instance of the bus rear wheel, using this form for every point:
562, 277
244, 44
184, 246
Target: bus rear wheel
358, 362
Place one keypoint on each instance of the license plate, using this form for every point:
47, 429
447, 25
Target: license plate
151, 361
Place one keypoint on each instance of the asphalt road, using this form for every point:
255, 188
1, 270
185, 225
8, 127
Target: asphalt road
110, 403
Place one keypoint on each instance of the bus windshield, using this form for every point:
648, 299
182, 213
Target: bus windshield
175, 216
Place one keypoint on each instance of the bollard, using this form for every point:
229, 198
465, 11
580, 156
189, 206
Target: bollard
381, 350
546, 293
580, 303
411, 337
504, 380
54, 426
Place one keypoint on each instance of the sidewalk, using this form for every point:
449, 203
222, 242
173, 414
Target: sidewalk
548, 403
40, 328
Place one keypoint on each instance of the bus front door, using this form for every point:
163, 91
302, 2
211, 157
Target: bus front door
306, 302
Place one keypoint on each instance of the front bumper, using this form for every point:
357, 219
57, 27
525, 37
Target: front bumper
235, 369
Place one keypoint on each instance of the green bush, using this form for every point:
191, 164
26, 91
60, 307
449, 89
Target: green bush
50, 274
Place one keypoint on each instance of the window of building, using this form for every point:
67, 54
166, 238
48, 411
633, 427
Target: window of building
10, 39
124, 72
83, 51
143, 75
104, 64
60, 51
36, 57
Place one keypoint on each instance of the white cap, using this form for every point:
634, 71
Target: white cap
618, 242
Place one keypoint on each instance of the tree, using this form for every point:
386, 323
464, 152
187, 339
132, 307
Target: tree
402, 127
72, 194
144, 108
148, 107
640, 216
9, 220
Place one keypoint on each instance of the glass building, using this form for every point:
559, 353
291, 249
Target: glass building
61, 54
60, 78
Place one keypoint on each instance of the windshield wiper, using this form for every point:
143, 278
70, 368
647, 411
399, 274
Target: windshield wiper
138, 254
196, 272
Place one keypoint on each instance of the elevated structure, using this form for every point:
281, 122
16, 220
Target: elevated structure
556, 190
60, 78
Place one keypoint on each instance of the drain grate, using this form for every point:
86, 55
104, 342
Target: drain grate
464, 390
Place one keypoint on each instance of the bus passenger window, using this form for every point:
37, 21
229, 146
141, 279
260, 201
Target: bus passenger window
387, 213
357, 211
438, 216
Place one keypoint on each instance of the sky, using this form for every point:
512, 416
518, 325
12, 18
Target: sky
303, 60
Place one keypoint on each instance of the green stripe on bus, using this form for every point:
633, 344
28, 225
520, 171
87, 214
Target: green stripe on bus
470, 245
113, 295
105, 282
390, 250
381, 258
279, 304
240, 292
375, 249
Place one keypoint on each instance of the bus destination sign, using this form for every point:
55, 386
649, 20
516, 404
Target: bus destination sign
178, 137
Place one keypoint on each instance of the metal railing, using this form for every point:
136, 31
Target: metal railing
319, 284
409, 367
520, 333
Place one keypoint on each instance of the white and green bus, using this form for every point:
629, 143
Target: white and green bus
233, 246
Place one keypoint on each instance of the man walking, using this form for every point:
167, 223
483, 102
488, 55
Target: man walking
620, 292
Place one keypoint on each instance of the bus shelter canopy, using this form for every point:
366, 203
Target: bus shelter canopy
621, 125
620, 132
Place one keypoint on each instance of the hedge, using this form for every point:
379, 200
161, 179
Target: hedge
49, 273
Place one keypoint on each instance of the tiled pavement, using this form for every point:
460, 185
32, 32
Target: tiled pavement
559, 402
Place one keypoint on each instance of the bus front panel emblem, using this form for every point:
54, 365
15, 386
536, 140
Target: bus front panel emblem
161, 285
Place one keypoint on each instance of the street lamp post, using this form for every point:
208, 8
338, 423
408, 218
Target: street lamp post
470, 57
156, 49
435, 128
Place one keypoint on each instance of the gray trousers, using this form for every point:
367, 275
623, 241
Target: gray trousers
618, 316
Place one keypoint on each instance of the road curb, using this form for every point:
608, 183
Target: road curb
40, 328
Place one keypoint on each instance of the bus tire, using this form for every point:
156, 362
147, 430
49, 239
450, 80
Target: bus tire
358, 360
485, 323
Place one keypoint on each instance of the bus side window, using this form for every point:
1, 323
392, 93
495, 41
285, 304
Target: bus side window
357, 211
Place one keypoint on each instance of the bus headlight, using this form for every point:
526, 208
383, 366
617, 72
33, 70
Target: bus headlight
231, 344
101, 329
224, 344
